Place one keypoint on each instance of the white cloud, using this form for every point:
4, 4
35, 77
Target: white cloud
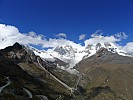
32, 34
101, 39
98, 37
128, 47
82, 37
97, 33
121, 35
61, 35
6, 31
10, 34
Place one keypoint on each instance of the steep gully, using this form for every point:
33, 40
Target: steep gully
71, 89
76, 87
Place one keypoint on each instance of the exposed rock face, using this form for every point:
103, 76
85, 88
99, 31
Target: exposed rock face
66, 50
17, 53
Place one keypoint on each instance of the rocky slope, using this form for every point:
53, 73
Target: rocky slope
31, 77
107, 76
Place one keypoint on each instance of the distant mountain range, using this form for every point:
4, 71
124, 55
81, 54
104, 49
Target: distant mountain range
72, 56
99, 71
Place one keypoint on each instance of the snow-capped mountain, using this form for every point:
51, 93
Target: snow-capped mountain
28, 72
93, 48
66, 51
71, 56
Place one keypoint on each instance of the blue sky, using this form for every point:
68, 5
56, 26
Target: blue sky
73, 17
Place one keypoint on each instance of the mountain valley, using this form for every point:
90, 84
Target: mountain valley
66, 73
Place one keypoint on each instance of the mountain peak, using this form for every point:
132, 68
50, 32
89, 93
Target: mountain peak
17, 46
14, 48
65, 50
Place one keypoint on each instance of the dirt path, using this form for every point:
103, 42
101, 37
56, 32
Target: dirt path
4, 86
